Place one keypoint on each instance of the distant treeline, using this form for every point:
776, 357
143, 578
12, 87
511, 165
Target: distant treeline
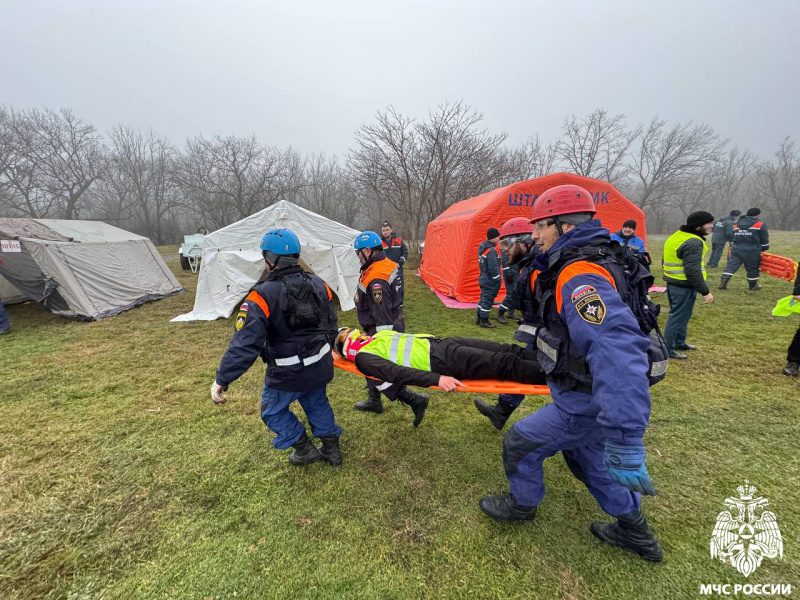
53, 164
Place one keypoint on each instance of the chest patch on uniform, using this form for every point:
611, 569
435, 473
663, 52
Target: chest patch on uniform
581, 292
241, 319
591, 309
377, 293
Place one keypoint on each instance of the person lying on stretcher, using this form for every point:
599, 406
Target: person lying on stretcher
403, 359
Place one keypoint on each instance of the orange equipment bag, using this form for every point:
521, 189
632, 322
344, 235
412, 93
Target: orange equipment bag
480, 386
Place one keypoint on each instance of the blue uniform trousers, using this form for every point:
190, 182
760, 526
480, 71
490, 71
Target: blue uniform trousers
716, 253
4, 324
750, 257
681, 304
284, 424
580, 439
488, 294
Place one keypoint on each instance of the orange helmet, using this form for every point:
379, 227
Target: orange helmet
562, 200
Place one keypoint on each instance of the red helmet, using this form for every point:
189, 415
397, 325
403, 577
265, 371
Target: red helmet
516, 226
562, 200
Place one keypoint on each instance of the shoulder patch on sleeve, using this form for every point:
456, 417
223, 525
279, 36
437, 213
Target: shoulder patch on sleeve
377, 293
591, 309
241, 319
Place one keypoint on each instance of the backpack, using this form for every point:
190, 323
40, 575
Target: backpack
301, 305
631, 273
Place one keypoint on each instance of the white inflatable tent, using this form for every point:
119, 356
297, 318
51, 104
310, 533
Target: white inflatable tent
232, 261
84, 269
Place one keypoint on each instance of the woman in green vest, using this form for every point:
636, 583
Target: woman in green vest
685, 274
400, 359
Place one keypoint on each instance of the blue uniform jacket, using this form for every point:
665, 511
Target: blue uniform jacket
260, 330
633, 242
489, 264
604, 330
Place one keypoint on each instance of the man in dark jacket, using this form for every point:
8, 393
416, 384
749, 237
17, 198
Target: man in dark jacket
749, 238
627, 236
394, 248
489, 279
290, 321
379, 308
685, 274
719, 235
793, 356
423, 360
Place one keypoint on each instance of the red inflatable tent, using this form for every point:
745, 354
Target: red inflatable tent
450, 260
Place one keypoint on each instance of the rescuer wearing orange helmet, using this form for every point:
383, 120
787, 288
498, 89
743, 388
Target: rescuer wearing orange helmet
595, 353
519, 250
511, 230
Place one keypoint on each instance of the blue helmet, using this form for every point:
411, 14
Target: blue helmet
367, 239
281, 242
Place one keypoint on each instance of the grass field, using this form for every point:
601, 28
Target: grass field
119, 478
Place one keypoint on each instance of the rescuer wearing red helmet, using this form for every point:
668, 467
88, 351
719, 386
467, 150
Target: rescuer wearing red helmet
510, 232
519, 250
595, 354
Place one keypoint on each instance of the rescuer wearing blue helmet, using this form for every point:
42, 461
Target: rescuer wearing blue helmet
379, 302
290, 321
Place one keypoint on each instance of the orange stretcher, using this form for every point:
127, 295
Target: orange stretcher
480, 386
778, 266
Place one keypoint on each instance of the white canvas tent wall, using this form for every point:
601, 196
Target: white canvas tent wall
85, 269
232, 261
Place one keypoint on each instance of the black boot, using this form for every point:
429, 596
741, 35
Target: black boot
417, 402
723, 283
477, 319
754, 285
497, 414
484, 322
305, 452
505, 508
330, 450
500, 318
631, 531
791, 369
372, 403
512, 315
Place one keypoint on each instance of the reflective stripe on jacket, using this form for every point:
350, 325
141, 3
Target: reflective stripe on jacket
401, 348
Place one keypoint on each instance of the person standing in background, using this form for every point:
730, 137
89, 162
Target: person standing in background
489, 278
719, 236
627, 236
685, 274
394, 248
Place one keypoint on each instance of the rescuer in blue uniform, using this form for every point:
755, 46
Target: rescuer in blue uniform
289, 320
520, 250
595, 355
395, 249
379, 307
749, 238
489, 278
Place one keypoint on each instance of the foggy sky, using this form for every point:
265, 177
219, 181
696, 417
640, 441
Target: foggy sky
308, 73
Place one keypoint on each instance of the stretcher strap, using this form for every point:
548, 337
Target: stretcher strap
476, 386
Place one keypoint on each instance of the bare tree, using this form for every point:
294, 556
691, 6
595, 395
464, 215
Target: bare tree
780, 183
22, 180
229, 178
142, 164
597, 145
70, 155
665, 158
417, 169
532, 159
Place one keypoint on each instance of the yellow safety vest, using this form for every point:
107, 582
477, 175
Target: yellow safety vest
673, 266
402, 349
